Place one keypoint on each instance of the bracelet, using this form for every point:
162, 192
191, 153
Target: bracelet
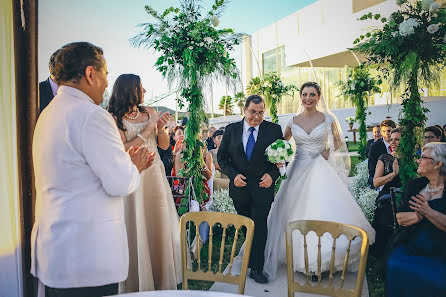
205, 168
142, 137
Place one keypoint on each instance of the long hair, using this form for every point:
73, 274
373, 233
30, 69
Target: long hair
126, 94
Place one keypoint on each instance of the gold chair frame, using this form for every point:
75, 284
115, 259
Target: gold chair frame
225, 219
335, 229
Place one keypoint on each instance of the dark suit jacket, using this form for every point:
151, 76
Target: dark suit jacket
232, 157
376, 149
367, 148
45, 93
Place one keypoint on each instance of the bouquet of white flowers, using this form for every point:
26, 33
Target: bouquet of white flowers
279, 151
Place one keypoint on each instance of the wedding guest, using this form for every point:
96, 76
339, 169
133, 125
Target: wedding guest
432, 134
386, 176
48, 88
150, 214
210, 139
167, 158
78, 242
417, 262
221, 180
381, 146
376, 136
444, 133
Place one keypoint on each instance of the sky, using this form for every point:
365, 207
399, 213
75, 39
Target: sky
110, 25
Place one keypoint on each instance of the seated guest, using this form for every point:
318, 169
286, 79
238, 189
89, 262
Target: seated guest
380, 147
221, 180
417, 262
386, 176
444, 134
376, 136
210, 139
432, 134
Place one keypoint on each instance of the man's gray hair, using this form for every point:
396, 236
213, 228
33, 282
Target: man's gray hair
438, 153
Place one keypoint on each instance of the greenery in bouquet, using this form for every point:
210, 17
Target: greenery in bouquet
409, 48
222, 202
272, 89
279, 151
193, 53
358, 87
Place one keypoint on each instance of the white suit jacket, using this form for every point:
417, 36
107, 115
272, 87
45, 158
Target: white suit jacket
81, 168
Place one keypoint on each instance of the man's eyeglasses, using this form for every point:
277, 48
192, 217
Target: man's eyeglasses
254, 113
429, 137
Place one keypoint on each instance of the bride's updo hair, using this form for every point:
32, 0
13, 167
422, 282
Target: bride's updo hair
311, 84
127, 92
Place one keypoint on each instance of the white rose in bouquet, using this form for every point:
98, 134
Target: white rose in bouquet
279, 151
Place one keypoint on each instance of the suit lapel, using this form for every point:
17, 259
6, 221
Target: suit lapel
239, 139
259, 142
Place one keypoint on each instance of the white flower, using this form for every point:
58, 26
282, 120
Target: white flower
214, 20
208, 40
201, 44
408, 27
433, 28
191, 47
433, 7
352, 87
425, 4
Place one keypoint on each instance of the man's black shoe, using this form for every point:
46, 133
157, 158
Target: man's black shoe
258, 276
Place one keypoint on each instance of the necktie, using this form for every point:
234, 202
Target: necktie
250, 144
390, 149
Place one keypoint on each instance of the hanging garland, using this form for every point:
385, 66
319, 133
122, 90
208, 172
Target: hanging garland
409, 49
193, 52
358, 87
272, 89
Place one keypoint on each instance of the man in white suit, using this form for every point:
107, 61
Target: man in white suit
79, 240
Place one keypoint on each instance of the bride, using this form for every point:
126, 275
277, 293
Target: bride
314, 190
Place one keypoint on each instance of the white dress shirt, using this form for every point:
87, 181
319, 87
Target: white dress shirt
387, 146
246, 133
81, 168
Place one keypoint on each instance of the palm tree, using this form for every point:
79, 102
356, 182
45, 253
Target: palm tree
254, 86
239, 99
226, 105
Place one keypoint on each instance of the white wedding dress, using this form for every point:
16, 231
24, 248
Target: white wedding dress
313, 191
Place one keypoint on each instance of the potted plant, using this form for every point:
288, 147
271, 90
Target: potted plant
350, 121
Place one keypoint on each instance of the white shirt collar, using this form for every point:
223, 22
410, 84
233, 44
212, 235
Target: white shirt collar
74, 92
386, 144
246, 126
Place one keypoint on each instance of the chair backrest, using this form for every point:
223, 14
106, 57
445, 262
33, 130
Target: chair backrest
335, 229
225, 220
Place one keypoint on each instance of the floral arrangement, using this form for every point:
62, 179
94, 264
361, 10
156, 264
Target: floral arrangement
409, 49
350, 120
222, 201
279, 151
272, 89
364, 196
358, 87
193, 53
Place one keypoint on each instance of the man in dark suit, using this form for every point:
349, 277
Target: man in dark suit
380, 147
241, 156
48, 88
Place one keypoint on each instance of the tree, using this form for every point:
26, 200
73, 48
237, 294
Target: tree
239, 99
226, 105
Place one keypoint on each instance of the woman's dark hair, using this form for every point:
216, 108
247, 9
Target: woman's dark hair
178, 128
126, 94
311, 84
256, 99
434, 129
71, 60
218, 133
395, 130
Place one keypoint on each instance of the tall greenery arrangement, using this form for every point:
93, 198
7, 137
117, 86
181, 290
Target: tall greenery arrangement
239, 99
271, 87
193, 52
226, 104
358, 86
409, 49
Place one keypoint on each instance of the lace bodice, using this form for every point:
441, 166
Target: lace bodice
311, 145
132, 129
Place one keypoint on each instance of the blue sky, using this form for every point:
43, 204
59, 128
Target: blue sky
110, 24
